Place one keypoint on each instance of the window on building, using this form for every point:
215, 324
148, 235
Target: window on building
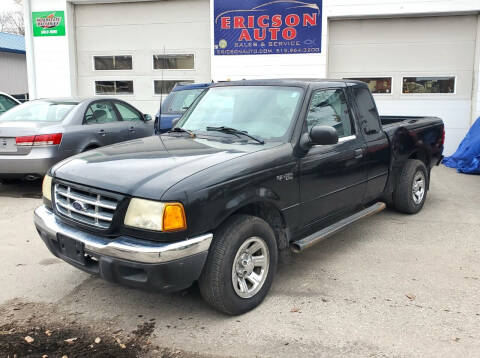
330, 108
166, 86
428, 84
173, 62
114, 87
108, 63
376, 84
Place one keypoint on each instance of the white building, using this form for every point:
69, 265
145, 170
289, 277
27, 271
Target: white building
420, 56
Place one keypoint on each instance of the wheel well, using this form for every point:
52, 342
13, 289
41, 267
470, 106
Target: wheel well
272, 216
421, 155
90, 147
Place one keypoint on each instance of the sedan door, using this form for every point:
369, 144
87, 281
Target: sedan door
104, 124
332, 177
134, 122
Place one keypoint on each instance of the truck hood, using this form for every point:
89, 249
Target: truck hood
147, 167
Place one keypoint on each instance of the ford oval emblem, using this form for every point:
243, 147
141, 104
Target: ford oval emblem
78, 205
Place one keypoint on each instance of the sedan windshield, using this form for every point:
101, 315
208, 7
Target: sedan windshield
263, 111
38, 111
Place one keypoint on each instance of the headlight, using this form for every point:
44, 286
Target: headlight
47, 187
154, 215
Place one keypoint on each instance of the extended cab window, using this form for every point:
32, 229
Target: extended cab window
367, 110
329, 107
100, 112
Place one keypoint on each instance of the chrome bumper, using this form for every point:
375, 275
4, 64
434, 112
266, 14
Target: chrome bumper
123, 247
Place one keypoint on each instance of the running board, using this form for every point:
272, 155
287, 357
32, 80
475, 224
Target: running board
305, 243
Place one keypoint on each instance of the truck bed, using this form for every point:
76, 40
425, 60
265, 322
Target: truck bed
391, 124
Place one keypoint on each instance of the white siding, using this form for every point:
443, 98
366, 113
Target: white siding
13, 73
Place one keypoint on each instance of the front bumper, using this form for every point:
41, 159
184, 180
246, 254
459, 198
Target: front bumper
137, 263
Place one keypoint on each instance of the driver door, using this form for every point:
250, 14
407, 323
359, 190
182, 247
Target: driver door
332, 177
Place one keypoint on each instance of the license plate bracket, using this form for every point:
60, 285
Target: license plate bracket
8, 145
73, 249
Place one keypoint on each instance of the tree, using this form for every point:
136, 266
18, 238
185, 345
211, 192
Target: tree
12, 21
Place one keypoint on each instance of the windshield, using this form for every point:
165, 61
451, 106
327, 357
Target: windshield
263, 111
178, 102
37, 111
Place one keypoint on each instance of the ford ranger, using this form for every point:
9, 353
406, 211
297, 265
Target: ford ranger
252, 168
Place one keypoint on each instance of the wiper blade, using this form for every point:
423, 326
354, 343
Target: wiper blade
181, 130
236, 132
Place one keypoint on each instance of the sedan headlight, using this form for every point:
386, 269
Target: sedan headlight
47, 187
155, 215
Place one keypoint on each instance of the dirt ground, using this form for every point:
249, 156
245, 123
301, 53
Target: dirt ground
392, 285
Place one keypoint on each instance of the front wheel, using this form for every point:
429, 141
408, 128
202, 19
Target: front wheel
240, 266
411, 191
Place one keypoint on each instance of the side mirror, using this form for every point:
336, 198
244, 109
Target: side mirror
175, 121
147, 117
319, 135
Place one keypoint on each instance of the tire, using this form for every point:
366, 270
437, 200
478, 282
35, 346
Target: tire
239, 234
405, 197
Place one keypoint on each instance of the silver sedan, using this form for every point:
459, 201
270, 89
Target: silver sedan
37, 134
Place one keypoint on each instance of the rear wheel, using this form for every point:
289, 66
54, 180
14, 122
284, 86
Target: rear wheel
240, 266
411, 191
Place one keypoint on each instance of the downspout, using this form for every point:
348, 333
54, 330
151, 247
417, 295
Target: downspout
30, 51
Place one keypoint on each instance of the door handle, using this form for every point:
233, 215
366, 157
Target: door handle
132, 129
102, 132
358, 153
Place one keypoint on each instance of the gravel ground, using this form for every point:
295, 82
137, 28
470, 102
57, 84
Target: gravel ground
392, 285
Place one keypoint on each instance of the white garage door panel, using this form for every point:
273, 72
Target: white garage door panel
410, 47
142, 29
418, 29
143, 12
403, 57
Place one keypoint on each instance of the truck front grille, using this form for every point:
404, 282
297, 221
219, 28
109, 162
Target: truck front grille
86, 207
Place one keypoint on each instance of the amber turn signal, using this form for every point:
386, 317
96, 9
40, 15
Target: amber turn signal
174, 217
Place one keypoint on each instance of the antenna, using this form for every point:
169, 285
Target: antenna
161, 92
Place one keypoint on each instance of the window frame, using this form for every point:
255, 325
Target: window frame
112, 94
119, 117
106, 55
353, 123
177, 53
373, 77
169, 79
429, 94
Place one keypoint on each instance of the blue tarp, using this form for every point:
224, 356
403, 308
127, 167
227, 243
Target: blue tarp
467, 157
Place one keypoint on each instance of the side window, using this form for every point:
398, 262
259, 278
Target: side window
100, 112
330, 108
367, 111
127, 113
6, 103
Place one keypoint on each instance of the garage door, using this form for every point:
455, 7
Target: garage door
136, 51
414, 66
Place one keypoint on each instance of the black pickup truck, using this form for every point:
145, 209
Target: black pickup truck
253, 167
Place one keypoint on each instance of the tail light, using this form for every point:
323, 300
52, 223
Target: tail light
42, 139
443, 138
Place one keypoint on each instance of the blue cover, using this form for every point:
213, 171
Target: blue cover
467, 157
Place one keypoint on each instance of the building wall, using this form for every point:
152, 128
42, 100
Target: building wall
13, 73
142, 30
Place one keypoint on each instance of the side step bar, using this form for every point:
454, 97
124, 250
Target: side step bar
305, 243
